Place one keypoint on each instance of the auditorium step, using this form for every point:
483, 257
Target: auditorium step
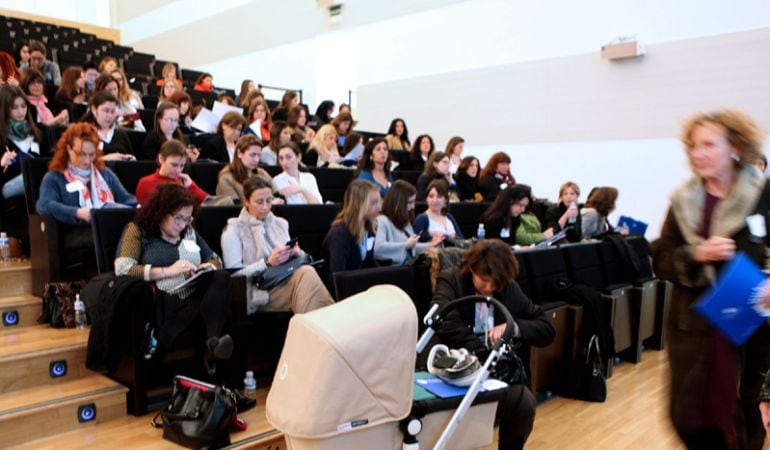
29, 356
136, 432
19, 311
42, 411
15, 278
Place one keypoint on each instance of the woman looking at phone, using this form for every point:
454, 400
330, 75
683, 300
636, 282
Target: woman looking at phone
257, 240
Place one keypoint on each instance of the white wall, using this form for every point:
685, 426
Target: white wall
94, 12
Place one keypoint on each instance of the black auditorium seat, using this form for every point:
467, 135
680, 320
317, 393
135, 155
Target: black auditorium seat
205, 174
332, 182
130, 172
308, 223
211, 222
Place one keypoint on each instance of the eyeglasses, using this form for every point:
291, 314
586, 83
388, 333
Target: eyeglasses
170, 120
183, 220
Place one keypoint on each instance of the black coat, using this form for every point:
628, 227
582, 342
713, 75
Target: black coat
216, 149
120, 143
552, 215
457, 329
340, 251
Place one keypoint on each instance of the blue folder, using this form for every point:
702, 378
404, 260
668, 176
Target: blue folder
730, 304
634, 226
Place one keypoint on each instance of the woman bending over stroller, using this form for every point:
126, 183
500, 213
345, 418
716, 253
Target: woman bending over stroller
489, 268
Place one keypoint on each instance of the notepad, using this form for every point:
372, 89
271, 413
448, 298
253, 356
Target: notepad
733, 304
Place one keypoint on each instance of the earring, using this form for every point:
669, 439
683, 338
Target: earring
735, 157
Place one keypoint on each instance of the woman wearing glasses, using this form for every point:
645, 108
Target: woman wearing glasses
77, 182
257, 240
166, 128
161, 247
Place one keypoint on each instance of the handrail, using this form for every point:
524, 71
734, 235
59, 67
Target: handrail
278, 88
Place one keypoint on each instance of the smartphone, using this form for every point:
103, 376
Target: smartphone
292, 242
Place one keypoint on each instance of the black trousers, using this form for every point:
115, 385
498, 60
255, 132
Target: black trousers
516, 415
210, 304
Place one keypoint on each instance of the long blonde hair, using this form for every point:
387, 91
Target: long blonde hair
318, 141
354, 208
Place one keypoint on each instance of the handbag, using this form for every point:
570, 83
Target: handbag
592, 382
199, 414
59, 303
276, 275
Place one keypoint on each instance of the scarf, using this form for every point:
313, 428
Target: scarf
97, 184
18, 130
44, 115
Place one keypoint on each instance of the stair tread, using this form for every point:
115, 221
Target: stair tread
21, 342
40, 396
16, 266
19, 300
135, 432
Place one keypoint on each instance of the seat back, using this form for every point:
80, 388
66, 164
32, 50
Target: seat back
206, 175
332, 182
583, 264
467, 216
543, 265
308, 223
33, 170
210, 223
350, 282
107, 225
130, 172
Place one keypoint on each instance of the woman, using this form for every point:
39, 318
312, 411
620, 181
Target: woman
566, 212
107, 65
490, 268
245, 165
343, 124
323, 114
349, 244
182, 100
9, 73
454, 149
421, 150
398, 136
122, 118
114, 141
466, 177
396, 240
73, 86
204, 83
298, 188
297, 121
280, 134
165, 128
168, 73
22, 53
353, 150
599, 205
714, 384
33, 84
289, 100
78, 181
322, 150
436, 222
167, 90
162, 247
19, 139
221, 147
257, 240
495, 176
508, 218
260, 119
246, 87
374, 165
250, 97
436, 168
130, 100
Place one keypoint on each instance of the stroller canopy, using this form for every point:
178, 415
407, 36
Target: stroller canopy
347, 366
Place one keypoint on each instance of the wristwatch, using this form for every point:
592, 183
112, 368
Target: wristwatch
267, 262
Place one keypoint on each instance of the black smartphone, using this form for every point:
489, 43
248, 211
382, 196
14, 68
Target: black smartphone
292, 242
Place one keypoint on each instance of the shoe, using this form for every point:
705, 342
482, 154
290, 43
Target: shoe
221, 347
150, 343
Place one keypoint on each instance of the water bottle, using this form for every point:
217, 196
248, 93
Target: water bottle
250, 385
572, 220
481, 232
5, 248
80, 312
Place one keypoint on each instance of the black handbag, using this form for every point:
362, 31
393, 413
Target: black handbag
276, 275
592, 381
59, 303
199, 414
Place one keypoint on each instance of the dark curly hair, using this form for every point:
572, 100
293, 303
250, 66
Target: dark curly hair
167, 199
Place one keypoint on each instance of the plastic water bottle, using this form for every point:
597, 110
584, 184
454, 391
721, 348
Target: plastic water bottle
572, 220
5, 248
481, 232
80, 312
250, 385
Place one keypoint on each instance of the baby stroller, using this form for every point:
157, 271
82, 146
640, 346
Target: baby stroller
345, 380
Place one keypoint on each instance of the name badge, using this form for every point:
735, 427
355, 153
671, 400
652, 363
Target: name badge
756, 225
75, 186
369, 243
505, 233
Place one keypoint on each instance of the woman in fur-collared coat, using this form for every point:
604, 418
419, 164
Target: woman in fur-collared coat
714, 384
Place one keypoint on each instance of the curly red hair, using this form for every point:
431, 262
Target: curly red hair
84, 132
8, 67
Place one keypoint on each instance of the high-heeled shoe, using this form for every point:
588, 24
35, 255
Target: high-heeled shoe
221, 347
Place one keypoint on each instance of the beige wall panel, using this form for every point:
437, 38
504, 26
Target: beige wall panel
129, 9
